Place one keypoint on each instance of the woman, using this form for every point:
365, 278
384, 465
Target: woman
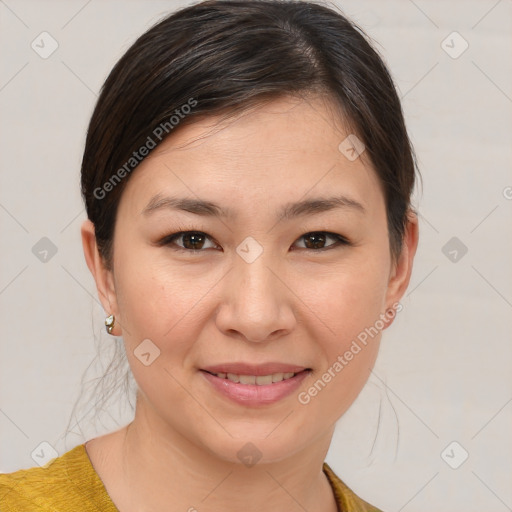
247, 176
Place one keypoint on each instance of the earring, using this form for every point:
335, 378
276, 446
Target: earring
109, 323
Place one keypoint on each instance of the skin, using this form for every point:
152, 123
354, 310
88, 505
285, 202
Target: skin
291, 305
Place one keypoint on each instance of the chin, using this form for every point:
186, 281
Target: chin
268, 445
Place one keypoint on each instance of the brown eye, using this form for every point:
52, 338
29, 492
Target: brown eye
193, 241
190, 240
317, 240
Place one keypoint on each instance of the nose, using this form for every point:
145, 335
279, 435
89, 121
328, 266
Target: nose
257, 304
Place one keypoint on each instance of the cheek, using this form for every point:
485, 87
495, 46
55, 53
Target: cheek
159, 303
349, 304
350, 300
157, 299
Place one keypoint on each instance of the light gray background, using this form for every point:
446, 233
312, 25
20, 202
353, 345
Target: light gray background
444, 371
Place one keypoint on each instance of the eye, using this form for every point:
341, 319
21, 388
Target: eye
191, 241
317, 240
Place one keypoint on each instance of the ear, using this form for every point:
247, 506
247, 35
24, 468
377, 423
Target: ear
104, 278
400, 274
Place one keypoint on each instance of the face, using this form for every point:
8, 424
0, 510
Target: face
255, 249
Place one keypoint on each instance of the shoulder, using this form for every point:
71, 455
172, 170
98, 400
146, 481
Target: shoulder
51, 488
346, 499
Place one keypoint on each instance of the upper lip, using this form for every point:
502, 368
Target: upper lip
251, 369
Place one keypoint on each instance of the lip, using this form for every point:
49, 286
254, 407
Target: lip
252, 369
252, 394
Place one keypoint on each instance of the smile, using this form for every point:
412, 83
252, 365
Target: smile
255, 390
259, 380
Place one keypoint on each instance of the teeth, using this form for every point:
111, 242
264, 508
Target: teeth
259, 380
247, 379
262, 380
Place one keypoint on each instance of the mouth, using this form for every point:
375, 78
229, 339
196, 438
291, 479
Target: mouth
255, 386
258, 380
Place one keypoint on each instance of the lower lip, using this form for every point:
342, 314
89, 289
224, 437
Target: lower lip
252, 394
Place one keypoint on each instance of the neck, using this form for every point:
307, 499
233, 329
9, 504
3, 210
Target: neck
159, 469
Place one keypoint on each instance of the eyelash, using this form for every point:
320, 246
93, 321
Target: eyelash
168, 240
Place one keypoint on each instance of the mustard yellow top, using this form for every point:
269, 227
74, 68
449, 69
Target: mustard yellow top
69, 483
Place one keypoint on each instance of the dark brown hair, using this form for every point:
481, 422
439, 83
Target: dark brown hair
226, 56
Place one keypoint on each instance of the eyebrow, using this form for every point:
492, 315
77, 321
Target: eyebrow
288, 211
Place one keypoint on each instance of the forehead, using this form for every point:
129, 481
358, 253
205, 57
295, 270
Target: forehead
282, 151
